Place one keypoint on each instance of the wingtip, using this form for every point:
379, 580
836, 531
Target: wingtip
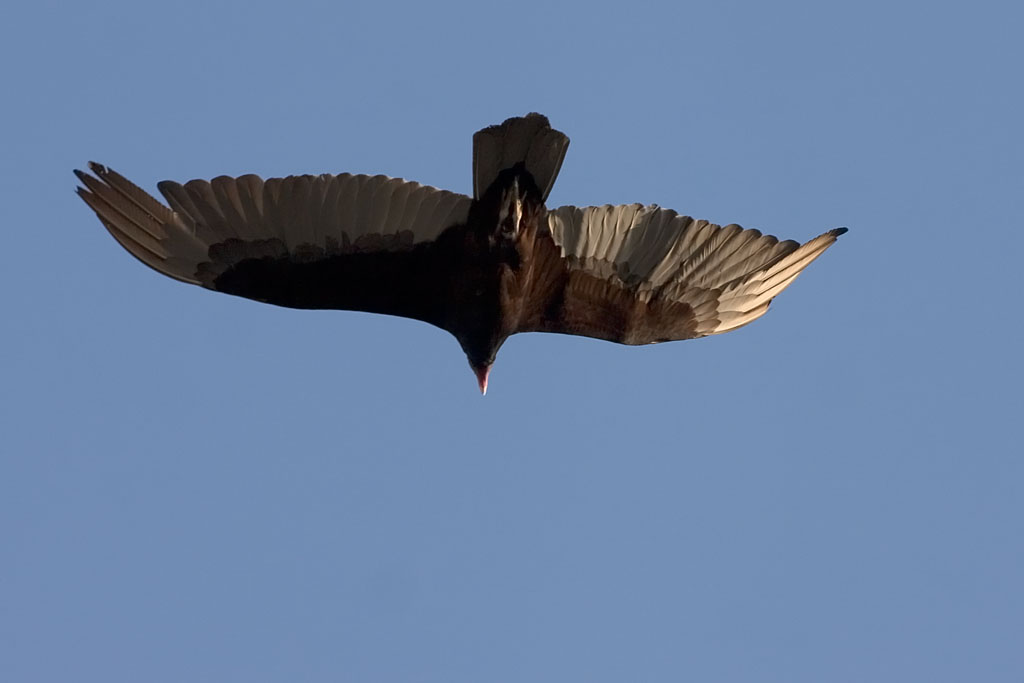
99, 170
839, 231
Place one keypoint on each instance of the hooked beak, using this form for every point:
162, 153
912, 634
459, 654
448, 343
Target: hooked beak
481, 377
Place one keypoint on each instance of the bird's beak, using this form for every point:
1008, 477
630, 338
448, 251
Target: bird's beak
481, 377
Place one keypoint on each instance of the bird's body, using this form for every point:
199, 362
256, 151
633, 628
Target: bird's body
482, 268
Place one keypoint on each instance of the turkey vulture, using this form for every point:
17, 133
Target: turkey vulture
483, 267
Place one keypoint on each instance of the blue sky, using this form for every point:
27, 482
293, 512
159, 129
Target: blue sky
195, 487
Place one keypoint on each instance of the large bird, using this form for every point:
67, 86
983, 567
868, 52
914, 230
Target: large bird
483, 267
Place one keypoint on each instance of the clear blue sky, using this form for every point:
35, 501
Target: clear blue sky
195, 487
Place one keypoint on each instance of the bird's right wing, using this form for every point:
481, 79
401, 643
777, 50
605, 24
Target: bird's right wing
352, 242
638, 274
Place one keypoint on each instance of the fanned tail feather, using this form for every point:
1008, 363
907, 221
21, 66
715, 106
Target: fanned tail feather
529, 140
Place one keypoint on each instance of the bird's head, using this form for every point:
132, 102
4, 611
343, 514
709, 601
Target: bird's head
481, 357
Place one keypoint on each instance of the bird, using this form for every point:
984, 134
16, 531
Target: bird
482, 268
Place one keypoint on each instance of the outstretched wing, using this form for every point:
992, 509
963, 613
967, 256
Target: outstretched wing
355, 242
638, 274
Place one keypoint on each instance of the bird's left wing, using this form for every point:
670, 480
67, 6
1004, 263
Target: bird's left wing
638, 274
353, 242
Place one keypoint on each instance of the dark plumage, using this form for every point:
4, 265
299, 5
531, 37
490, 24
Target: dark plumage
482, 268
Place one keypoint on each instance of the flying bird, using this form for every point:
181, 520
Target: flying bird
483, 267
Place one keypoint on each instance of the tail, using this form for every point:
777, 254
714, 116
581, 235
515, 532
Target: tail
528, 139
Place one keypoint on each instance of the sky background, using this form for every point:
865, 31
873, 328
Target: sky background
196, 487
